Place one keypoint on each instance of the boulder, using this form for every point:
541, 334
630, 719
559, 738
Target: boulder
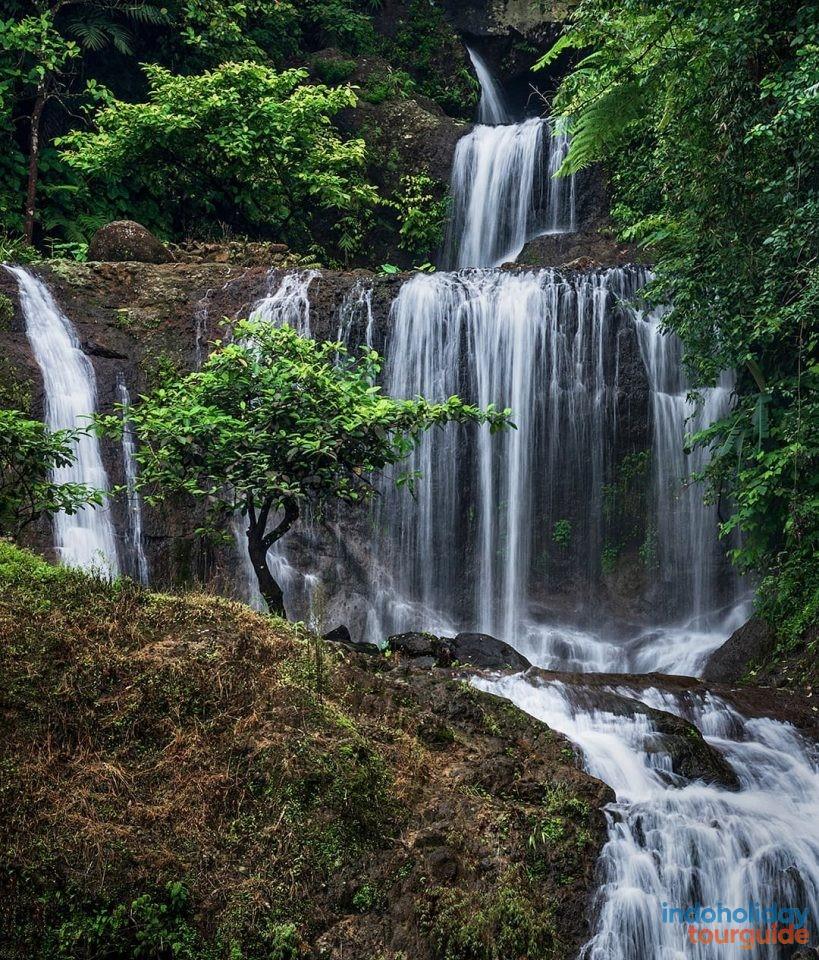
127, 240
481, 650
472, 649
341, 636
751, 643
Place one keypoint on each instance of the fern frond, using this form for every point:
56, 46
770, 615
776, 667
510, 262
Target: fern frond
145, 13
121, 38
568, 41
599, 123
89, 32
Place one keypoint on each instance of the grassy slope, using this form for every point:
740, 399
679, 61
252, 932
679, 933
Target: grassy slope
182, 777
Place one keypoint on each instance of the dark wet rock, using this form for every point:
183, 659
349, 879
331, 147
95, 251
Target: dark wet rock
691, 756
93, 348
415, 644
750, 644
341, 636
481, 650
465, 649
127, 240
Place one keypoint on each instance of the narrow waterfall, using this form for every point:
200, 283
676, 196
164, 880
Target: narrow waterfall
690, 558
356, 322
87, 538
492, 109
504, 194
287, 302
136, 560
677, 843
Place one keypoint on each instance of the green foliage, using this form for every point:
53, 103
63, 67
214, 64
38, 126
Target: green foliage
562, 533
422, 207
391, 85
29, 453
608, 558
333, 71
464, 926
151, 926
428, 45
241, 137
708, 118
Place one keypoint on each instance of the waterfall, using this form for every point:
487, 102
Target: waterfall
679, 843
492, 109
288, 303
690, 558
485, 507
504, 194
136, 550
356, 322
85, 539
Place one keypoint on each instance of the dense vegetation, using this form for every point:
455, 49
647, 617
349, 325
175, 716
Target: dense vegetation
229, 95
707, 115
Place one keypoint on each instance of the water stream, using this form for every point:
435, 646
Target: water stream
136, 559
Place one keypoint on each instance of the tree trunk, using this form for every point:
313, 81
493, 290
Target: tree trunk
34, 160
268, 587
259, 542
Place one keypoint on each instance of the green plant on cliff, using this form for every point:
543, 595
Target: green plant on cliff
422, 207
29, 455
276, 423
240, 138
707, 115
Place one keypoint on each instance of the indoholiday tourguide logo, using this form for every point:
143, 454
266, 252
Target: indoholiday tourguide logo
747, 926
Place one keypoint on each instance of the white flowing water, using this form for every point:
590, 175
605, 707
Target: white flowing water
475, 547
492, 109
136, 559
85, 539
356, 323
504, 194
288, 301
681, 844
689, 556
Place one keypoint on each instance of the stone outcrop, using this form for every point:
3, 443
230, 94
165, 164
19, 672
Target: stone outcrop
465, 649
125, 240
751, 644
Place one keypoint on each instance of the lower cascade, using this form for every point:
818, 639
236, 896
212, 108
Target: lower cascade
85, 539
682, 844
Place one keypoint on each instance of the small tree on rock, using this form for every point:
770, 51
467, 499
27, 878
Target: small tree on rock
275, 422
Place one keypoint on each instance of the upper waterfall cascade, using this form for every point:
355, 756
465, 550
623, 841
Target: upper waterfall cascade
504, 187
86, 538
492, 109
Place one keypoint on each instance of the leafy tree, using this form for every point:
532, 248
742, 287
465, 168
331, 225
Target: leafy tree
707, 115
275, 422
239, 137
39, 54
29, 453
